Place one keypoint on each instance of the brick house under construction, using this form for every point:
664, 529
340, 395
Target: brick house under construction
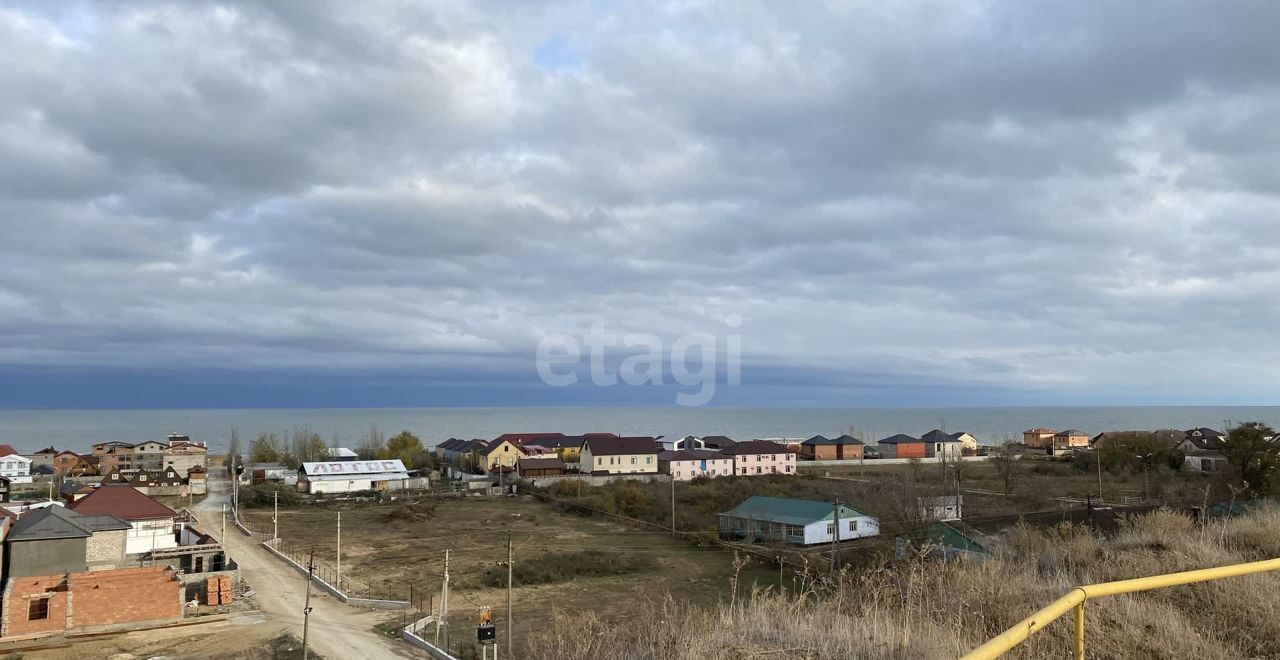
71, 602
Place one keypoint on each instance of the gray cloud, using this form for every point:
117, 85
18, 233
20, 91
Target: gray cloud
1064, 197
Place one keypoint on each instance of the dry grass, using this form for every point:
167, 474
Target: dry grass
924, 609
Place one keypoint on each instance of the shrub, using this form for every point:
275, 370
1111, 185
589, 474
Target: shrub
257, 497
564, 567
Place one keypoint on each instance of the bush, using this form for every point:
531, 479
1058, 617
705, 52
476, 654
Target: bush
564, 567
258, 497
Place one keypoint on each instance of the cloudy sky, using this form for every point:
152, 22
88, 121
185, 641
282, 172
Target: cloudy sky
392, 203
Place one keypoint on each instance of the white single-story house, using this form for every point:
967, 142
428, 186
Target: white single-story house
786, 520
351, 476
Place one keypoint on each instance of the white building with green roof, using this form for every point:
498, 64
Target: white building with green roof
762, 519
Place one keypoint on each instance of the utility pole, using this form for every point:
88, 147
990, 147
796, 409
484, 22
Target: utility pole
835, 535
306, 610
443, 620
673, 505
510, 572
275, 516
1098, 459
339, 581
223, 538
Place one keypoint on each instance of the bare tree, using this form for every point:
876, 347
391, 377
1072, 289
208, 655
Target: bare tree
1004, 458
372, 444
233, 453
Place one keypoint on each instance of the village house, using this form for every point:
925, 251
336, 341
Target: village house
966, 440
55, 539
1038, 438
4, 491
685, 464
149, 455
1202, 450
720, 442
501, 455
351, 476
822, 448
1065, 441
113, 455
901, 446
682, 465
942, 507
754, 457
182, 453
85, 466
149, 482
940, 444
545, 466
198, 480
14, 466
41, 457
62, 603
567, 447
629, 455
64, 461
151, 523
801, 522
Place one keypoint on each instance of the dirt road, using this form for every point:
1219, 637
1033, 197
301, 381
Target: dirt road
336, 631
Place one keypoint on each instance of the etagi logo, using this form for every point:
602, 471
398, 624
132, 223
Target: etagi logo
692, 359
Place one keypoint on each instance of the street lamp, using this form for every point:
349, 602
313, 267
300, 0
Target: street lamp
1146, 477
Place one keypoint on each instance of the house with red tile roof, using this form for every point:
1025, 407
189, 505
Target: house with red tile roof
152, 522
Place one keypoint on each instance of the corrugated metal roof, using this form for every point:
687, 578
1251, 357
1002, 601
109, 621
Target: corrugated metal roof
352, 468
787, 510
371, 476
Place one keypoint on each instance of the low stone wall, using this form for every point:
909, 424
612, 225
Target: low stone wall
874, 462
411, 635
334, 591
596, 480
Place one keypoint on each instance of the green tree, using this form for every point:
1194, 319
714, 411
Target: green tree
1253, 456
265, 449
404, 446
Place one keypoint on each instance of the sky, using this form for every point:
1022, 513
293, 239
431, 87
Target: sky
844, 203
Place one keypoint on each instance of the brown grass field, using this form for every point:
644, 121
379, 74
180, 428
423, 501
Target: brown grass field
387, 553
924, 609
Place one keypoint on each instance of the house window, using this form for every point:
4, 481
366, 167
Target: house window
788, 468
853, 525
38, 609
831, 529
633, 460
648, 460
757, 469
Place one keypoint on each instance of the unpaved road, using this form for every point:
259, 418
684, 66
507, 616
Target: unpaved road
335, 631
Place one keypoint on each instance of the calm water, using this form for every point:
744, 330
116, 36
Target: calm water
28, 430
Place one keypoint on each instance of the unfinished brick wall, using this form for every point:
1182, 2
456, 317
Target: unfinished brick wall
19, 594
105, 550
79, 601
104, 598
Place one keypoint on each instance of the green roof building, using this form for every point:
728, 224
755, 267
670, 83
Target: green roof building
784, 520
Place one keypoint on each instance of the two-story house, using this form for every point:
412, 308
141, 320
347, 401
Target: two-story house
753, 457
626, 455
14, 466
152, 524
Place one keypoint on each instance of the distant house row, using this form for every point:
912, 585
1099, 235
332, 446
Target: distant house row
935, 443
603, 454
178, 452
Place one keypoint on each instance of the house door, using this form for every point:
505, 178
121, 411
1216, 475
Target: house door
199, 564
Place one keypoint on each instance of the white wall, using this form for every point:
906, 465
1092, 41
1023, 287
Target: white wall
148, 535
339, 485
817, 532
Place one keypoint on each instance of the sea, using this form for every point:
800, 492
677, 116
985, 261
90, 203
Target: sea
77, 430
